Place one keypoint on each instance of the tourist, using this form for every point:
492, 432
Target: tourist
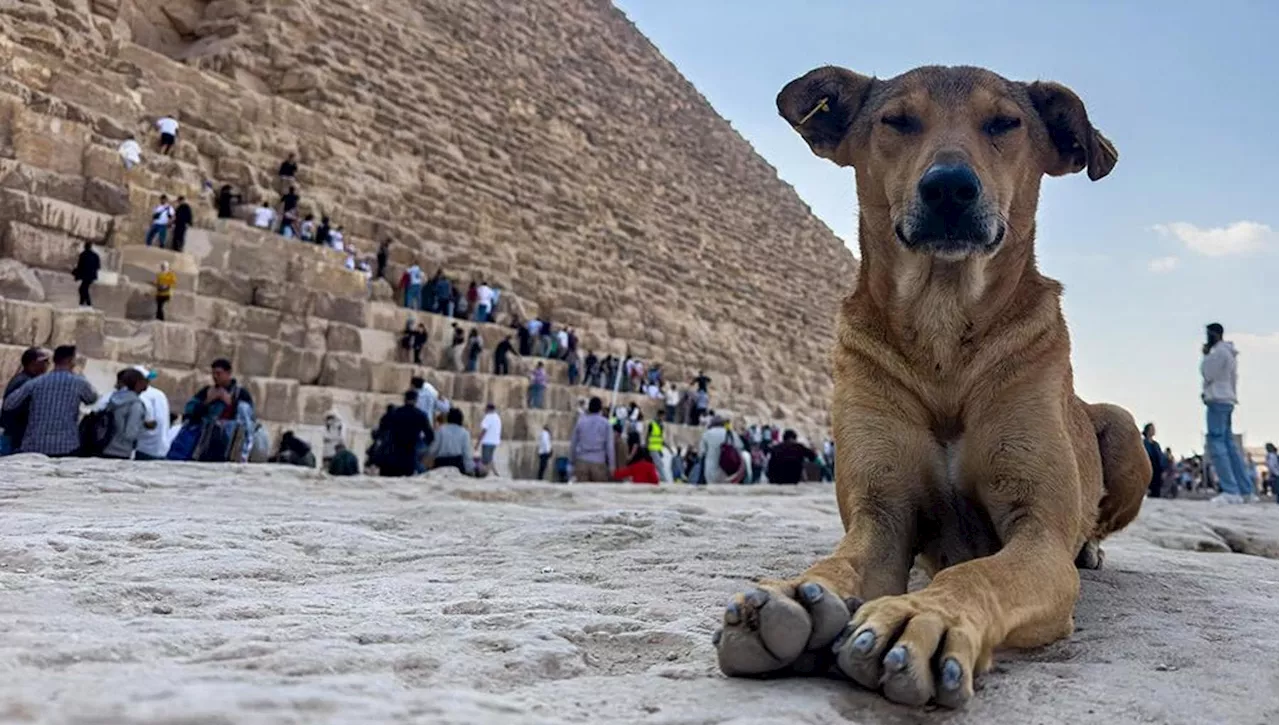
483, 302
166, 281
671, 398
335, 434
1273, 471
427, 397
1156, 457
455, 349
445, 295
307, 230
562, 342
336, 239
544, 450
227, 199
289, 200
721, 451
384, 249
413, 286
538, 386
264, 216
404, 434
344, 462
293, 451
289, 224
701, 403
524, 340
217, 416
323, 232
182, 220
13, 421
591, 370
574, 362
350, 261
640, 467
127, 413
591, 447
452, 445
1218, 370
288, 172
54, 412
418, 340
490, 436
502, 356
168, 128
701, 381
153, 441
161, 215
475, 346
130, 152
787, 459
656, 444
86, 272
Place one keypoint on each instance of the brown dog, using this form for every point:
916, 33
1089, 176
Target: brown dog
959, 437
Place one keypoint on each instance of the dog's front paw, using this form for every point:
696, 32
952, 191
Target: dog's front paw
781, 628
912, 649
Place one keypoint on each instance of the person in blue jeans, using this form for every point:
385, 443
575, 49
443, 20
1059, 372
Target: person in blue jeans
1218, 370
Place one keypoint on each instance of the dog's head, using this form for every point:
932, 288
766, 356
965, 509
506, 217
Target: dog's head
946, 158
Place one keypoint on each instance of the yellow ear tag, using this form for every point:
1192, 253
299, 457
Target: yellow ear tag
822, 106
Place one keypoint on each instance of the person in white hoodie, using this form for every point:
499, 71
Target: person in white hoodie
335, 434
1218, 370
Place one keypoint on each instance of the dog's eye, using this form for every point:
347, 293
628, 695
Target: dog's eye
1001, 125
902, 123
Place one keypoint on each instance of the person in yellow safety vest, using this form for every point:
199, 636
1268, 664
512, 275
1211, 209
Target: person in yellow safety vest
655, 448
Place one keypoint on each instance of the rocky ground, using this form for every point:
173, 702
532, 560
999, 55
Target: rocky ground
178, 593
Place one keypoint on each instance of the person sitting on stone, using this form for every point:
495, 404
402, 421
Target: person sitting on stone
335, 433
264, 216
127, 413
307, 230
337, 239
293, 451
344, 462
452, 445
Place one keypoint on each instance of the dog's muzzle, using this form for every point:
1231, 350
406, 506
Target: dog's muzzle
949, 216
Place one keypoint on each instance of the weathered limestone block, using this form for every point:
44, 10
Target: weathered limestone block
172, 343
390, 377
257, 355
471, 387
342, 337
559, 397
24, 323
18, 282
141, 263
39, 181
261, 321
42, 248
104, 164
379, 345
343, 309
49, 142
259, 262
314, 402
314, 271
275, 398
290, 300
301, 364
81, 327
382, 291
52, 214
214, 344
508, 391
345, 370
230, 287
106, 197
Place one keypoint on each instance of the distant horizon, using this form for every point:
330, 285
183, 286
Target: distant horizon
1183, 233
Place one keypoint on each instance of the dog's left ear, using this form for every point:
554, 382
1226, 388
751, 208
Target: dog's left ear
1077, 144
821, 106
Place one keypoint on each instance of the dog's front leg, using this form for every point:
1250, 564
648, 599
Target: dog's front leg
788, 626
930, 644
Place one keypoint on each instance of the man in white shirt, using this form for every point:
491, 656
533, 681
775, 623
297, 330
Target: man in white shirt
168, 128
153, 443
490, 435
544, 451
484, 302
160, 218
130, 152
413, 290
264, 216
672, 401
562, 341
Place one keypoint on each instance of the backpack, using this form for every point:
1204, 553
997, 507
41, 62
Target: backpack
731, 460
96, 430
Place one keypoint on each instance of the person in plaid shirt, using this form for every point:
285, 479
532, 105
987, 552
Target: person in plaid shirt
56, 396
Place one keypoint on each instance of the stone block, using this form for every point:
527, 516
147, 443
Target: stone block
49, 142
39, 181
301, 364
43, 248
508, 391
342, 337
275, 398
390, 377
106, 197
19, 282
261, 321
81, 327
379, 345
141, 263
47, 213
173, 343
25, 323
227, 286
214, 344
471, 388
273, 295
313, 271
100, 162
314, 402
256, 355
443, 380
345, 370
342, 309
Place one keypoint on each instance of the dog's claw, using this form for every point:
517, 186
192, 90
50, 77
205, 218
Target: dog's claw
896, 660
810, 592
952, 674
864, 642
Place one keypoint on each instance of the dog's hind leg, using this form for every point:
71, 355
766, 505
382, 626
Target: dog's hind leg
1125, 474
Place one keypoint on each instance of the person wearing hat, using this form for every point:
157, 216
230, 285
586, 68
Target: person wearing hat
153, 442
13, 423
1218, 370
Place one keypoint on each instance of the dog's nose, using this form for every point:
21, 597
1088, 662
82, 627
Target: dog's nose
949, 189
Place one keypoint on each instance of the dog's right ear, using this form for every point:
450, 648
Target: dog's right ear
821, 106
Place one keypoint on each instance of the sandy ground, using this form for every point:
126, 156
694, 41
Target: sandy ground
181, 593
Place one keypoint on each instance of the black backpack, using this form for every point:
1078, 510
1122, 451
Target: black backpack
96, 430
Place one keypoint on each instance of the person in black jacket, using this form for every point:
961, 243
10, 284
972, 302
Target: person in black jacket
86, 272
1156, 456
786, 462
182, 218
402, 431
227, 199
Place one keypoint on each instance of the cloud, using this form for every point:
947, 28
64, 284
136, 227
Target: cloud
1235, 238
1162, 264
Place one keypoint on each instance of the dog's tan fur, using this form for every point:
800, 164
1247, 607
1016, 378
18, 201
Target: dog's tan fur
959, 437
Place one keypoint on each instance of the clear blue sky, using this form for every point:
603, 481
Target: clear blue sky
1181, 234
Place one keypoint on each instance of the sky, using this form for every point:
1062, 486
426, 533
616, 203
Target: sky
1182, 233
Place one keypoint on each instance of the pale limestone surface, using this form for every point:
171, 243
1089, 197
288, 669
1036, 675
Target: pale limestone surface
181, 593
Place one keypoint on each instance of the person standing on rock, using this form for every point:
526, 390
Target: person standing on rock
1218, 392
324, 232
475, 346
182, 219
490, 436
166, 281
413, 286
456, 346
384, 249
54, 413
418, 340
538, 387
288, 171
86, 272
1156, 456
544, 451
168, 128
501, 356
591, 447
13, 422
483, 302
161, 216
